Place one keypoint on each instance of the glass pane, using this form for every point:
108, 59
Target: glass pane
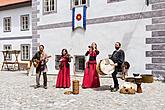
76, 2
26, 22
53, 2
81, 64
9, 22
9, 47
9, 28
5, 28
26, 18
83, 1
57, 58
46, 6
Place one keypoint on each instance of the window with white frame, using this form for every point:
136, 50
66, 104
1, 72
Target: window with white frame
57, 61
7, 24
80, 63
25, 51
75, 3
50, 6
8, 47
24, 22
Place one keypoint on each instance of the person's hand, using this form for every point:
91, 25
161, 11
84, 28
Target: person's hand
90, 49
115, 64
61, 59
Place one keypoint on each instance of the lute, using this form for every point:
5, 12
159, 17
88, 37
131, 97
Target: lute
36, 62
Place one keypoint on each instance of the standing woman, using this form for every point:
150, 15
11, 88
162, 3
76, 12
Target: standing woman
63, 79
91, 78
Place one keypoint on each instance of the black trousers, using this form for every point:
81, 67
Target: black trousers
38, 74
115, 80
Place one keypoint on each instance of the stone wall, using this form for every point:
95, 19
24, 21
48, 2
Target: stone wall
157, 40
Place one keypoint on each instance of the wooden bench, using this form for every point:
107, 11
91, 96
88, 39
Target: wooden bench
10, 66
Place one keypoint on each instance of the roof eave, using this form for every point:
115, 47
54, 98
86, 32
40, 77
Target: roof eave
16, 5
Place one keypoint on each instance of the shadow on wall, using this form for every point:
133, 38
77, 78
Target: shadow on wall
126, 40
77, 39
128, 36
80, 31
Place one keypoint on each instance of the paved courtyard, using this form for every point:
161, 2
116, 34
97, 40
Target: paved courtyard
17, 93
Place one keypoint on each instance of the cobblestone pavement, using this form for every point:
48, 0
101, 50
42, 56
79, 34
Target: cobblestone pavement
17, 93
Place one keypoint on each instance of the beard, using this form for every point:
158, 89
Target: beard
117, 48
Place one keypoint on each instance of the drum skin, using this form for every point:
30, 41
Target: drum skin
105, 67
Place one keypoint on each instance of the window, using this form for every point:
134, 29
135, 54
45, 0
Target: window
7, 24
50, 6
112, 1
25, 22
80, 63
75, 3
57, 61
8, 47
25, 51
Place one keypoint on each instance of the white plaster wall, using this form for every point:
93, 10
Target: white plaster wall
131, 34
16, 45
97, 8
15, 22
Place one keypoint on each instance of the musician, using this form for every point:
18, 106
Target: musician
63, 79
41, 58
91, 78
118, 58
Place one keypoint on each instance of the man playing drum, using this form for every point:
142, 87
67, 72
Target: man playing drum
118, 58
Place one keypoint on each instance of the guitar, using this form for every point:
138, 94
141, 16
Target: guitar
36, 62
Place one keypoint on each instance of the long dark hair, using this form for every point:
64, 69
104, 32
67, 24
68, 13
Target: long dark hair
65, 51
95, 45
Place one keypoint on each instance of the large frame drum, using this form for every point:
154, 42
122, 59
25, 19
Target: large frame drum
105, 67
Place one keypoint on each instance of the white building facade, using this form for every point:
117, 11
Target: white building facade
16, 30
138, 24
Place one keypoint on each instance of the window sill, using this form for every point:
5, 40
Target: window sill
114, 1
51, 12
8, 59
24, 29
7, 31
25, 59
79, 6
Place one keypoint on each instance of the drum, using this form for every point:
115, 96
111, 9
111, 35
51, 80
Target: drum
147, 78
75, 86
138, 81
105, 67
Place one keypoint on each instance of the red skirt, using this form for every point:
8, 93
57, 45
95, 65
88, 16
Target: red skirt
63, 78
91, 77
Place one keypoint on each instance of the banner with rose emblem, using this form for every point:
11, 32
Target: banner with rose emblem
79, 17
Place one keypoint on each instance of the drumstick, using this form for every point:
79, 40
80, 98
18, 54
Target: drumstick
112, 64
